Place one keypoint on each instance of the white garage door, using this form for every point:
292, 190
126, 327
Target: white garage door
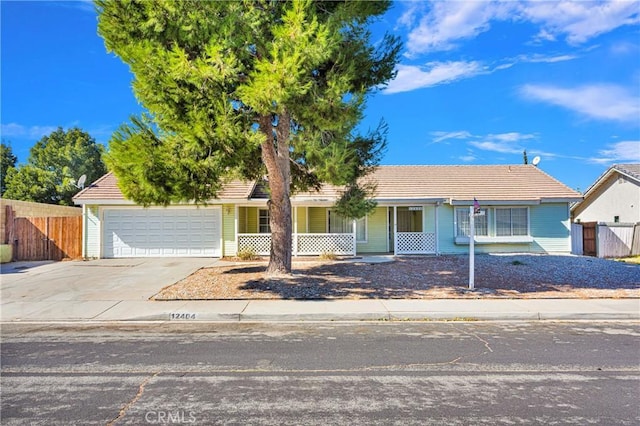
170, 232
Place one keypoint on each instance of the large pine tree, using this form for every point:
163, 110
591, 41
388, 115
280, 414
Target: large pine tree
247, 89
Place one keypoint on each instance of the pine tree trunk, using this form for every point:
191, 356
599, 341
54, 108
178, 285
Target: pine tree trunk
275, 154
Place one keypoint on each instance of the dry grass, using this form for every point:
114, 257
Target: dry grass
416, 278
631, 259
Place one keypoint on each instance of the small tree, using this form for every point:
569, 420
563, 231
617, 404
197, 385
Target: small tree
247, 89
55, 163
7, 161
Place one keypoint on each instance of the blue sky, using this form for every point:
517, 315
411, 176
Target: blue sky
478, 82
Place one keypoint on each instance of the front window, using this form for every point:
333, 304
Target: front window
512, 222
263, 221
340, 225
462, 223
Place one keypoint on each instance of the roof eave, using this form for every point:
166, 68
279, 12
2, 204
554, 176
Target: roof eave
409, 201
496, 202
122, 202
561, 200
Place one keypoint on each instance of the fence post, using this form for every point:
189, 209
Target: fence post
635, 242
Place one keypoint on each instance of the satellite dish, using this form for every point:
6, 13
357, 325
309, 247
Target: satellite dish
81, 181
536, 160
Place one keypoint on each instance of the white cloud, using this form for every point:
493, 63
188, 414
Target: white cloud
505, 143
580, 21
600, 101
547, 59
411, 77
501, 147
101, 133
619, 152
511, 137
12, 129
624, 48
19, 131
83, 5
533, 59
443, 136
445, 23
468, 158
408, 18
448, 22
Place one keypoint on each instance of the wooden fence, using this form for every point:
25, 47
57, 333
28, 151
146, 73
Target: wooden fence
46, 238
605, 239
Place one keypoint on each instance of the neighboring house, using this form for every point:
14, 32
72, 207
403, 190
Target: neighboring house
420, 210
613, 198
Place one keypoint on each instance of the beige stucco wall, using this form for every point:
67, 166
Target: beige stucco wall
617, 196
29, 209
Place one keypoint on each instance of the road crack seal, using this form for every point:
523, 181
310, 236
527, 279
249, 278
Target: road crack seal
475, 336
123, 410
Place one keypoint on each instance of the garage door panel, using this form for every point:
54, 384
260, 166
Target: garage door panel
162, 232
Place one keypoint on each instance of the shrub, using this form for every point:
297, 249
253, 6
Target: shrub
248, 253
328, 255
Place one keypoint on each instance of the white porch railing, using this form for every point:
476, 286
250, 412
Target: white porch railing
415, 243
259, 243
303, 244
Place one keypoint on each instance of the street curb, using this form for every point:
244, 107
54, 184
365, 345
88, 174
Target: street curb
351, 317
323, 310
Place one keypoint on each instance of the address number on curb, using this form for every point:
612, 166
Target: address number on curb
182, 316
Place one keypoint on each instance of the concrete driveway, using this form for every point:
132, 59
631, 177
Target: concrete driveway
93, 284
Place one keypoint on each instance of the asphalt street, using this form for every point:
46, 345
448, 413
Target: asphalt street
441, 373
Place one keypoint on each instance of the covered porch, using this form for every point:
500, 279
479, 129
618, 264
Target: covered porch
393, 229
414, 229
316, 230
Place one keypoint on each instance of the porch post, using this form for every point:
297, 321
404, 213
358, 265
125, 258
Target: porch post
395, 230
294, 236
436, 232
388, 231
236, 226
355, 238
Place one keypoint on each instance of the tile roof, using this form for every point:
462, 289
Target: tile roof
632, 170
106, 188
458, 183
491, 182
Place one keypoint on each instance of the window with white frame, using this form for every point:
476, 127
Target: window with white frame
263, 221
340, 225
512, 222
462, 223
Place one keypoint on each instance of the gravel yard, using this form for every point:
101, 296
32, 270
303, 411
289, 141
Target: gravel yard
419, 277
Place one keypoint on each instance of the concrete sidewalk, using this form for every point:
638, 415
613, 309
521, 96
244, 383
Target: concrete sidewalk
325, 310
109, 290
